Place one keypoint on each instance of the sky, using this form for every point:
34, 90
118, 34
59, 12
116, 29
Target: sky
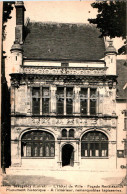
50, 11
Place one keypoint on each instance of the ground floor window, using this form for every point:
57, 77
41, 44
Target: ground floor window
94, 144
37, 144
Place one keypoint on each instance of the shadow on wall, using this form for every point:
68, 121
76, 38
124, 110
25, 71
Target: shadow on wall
5, 122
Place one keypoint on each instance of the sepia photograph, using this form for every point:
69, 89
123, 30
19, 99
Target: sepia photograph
63, 97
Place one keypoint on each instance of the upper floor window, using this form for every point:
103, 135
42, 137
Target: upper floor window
36, 100
38, 144
64, 103
94, 144
40, 100
88, 99
60, 100
64, 100
69, 100
45, 100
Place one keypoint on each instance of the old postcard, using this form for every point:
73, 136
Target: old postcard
64, 97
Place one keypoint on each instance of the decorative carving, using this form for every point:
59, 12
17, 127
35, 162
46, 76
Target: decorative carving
78, 128
64, 122
35, 121
55, 128
59, 122
70, 121
64, 71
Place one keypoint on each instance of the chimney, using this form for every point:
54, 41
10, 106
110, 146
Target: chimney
19, 5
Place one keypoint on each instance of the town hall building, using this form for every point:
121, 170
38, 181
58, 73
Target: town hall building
64, 111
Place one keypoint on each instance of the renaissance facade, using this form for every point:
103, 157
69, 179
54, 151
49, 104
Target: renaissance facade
63, 97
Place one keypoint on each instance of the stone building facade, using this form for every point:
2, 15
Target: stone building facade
63, 97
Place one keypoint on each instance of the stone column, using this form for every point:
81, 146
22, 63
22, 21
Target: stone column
64, 100
76, 102
12, 99
88, 101
53, 99
59, 154
15, 157
28, 100
76, 159
100, 100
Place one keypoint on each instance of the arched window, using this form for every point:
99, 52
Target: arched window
37, 144
94, 144
71, 133
64, 133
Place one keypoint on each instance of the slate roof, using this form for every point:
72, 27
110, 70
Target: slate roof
63, 41
122, 79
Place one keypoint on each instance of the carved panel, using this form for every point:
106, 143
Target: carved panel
64, 71
55, 122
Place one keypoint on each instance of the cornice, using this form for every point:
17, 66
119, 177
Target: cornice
65, 116
18, 79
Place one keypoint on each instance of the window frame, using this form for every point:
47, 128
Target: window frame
88, 99
39, 142
41, 100
93, 148
65, 98
68, 133
36, 98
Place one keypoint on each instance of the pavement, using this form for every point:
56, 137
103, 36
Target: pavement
68, 181
64, 177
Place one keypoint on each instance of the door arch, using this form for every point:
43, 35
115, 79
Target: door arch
67, 155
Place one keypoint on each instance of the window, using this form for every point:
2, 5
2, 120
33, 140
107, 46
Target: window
64, 100
88, 100
71, 133
68, 134
120, 153
64, 133
93, 101
36, 100
45, 100
38, 144
94, 144
60, 100
83, 100
69, 100
40, 100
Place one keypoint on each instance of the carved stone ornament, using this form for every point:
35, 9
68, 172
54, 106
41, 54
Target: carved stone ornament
64, 71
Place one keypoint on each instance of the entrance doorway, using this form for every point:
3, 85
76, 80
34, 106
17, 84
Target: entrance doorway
68, 155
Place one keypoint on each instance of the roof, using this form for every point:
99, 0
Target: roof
63, 41
122, 79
